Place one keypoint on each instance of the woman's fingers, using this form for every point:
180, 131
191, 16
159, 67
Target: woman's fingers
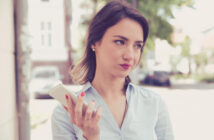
70, 107
78, 109
87, 119
88, 113
97, 115
65, 108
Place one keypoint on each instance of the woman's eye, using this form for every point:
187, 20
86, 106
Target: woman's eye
119, 42
139, 46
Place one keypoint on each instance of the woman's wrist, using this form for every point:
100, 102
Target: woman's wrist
94, 138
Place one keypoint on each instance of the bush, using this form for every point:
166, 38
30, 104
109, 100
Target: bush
208, 78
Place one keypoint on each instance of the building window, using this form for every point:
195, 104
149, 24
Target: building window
49, 39
42, 39
49, 26
46, 33
42, 26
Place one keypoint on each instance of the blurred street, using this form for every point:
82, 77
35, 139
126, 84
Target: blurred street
190, 106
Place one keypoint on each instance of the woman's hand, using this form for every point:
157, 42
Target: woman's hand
87, 120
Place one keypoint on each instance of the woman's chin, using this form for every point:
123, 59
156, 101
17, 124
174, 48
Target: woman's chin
123, 75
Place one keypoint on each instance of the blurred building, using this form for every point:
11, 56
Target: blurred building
47, 30
208, 39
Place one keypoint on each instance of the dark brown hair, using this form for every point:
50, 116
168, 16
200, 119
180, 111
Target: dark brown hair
109, 15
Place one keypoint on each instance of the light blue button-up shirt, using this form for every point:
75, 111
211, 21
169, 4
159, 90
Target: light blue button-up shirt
147, 118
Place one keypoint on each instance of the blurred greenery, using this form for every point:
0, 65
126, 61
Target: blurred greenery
185, 51
202, 77
209, 78
200, 60
38, 119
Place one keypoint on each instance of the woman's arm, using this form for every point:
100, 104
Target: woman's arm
163, 126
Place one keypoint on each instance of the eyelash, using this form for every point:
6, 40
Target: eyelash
122, 42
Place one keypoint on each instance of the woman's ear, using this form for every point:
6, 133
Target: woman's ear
93, 47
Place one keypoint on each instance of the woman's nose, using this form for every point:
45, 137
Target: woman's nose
128, 53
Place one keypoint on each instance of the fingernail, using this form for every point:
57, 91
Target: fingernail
66, 96
83, 94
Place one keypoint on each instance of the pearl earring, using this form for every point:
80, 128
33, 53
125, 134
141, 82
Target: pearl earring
93, 49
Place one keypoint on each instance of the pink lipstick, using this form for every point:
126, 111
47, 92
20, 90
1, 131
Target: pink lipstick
125, 66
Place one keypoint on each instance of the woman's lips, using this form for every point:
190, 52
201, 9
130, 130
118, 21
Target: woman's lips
125, 66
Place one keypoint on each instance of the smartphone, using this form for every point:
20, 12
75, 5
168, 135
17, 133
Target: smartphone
59, 93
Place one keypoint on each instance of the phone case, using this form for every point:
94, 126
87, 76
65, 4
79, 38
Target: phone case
59, 93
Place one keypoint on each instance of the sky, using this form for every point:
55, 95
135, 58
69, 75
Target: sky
195, 20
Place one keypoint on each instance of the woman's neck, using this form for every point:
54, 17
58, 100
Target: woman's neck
108, 86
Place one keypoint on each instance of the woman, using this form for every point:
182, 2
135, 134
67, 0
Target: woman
116, 38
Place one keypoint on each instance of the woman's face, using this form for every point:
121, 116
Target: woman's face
120, 48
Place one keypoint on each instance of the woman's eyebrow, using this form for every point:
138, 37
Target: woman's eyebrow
124, 38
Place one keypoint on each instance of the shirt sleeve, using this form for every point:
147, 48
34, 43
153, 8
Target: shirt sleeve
62, 128
163, 126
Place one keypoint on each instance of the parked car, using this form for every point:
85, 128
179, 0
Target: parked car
43, 79
158, 78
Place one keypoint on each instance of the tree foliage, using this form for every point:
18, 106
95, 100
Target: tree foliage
158, 14
185, 47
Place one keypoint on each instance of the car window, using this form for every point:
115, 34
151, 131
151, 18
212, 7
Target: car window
45, 74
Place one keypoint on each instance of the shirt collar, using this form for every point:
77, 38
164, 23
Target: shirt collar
88, 86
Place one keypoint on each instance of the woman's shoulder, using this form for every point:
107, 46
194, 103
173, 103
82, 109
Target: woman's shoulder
145, 93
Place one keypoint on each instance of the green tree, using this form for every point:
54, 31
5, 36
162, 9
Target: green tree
200, 60
185, 51
158, 13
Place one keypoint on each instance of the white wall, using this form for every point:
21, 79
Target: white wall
50, 12
8, 115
